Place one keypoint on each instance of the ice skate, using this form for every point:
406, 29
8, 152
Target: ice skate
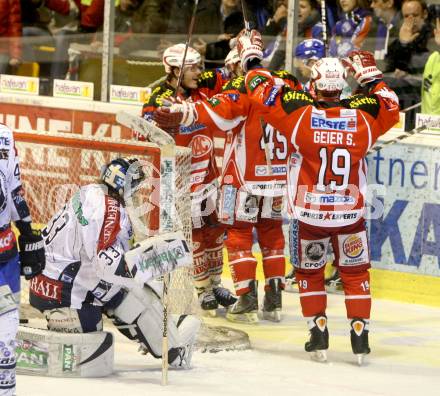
291, 282
272, 301
223, 296
318, 343
245, 309
334, 283
359, 339
207, 301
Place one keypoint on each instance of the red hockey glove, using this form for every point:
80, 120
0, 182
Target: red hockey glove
169, 118
249, 46
363, 66
169, 122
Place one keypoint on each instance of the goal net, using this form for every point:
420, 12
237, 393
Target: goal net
54, 166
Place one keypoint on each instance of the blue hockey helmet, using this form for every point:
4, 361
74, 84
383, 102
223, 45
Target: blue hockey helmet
123, 175
310, 49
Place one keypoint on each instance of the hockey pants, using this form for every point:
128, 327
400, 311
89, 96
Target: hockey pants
308, 247
243, 264
208, 255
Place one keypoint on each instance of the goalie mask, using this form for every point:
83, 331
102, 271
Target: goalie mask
173, 57
123, 175
328, 77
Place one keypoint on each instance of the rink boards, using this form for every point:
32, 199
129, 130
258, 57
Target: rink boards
405, 237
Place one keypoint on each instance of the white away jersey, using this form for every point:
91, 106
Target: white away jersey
85, 242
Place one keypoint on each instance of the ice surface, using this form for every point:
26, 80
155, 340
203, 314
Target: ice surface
405, 360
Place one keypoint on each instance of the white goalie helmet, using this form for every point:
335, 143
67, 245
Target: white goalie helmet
328, 75
173, 57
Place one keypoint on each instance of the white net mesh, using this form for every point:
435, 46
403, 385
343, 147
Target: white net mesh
54, 166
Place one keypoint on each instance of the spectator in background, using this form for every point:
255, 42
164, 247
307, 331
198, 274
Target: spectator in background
91, 17
385, 27
409, 52
258, 13
308, 19
10, 33
352, 28
232, 23
208, 18
431, 78
36, 17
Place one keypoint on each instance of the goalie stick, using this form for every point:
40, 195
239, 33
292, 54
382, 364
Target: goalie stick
145, 128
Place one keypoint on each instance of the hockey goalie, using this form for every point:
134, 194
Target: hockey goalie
91, 270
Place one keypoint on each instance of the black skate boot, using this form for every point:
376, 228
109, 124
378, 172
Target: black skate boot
272, 301
334, 283
207, 299
318, 343
291, 282
245, 308
359, 339
223, 296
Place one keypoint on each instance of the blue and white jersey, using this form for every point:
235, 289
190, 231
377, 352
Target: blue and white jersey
84, 245
13, 206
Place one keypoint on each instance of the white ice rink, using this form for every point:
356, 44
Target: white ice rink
405, 360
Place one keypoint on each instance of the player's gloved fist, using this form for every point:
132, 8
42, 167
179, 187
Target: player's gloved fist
363, 66
249, 46
183, 113
32, 256
169, 122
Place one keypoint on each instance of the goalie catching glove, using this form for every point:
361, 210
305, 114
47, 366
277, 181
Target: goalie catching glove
249, 47
363, 67
32, 256
170, 116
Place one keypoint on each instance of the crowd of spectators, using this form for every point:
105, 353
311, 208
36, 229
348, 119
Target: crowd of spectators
399, 32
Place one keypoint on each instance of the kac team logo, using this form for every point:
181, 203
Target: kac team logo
353, 246
200, 145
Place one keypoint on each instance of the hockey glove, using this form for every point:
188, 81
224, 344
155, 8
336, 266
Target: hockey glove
170, 117
363, 67
32, 256
249, 47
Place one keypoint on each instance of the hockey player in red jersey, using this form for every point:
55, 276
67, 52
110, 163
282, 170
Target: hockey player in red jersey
327, 183
251, 194
328, 141
207, 233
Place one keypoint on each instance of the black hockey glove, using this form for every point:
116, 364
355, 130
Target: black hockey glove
32, 256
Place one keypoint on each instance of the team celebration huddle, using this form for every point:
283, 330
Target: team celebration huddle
294, 154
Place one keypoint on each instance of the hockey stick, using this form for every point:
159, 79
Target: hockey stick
145, 128
247, 24
188, 40
324, 26
403, 136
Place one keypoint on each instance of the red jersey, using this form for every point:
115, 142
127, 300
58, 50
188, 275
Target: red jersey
199, 137
244, 161
328, 143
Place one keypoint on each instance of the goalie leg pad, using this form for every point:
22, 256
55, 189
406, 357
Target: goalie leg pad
54, 354
141, 316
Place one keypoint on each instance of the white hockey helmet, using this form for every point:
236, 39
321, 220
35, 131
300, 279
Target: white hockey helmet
232, 58
328, 75
173, 57
123, 175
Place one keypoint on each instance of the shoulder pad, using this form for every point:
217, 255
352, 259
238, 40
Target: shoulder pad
208, 79
235, 84
292, 100
369, 104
